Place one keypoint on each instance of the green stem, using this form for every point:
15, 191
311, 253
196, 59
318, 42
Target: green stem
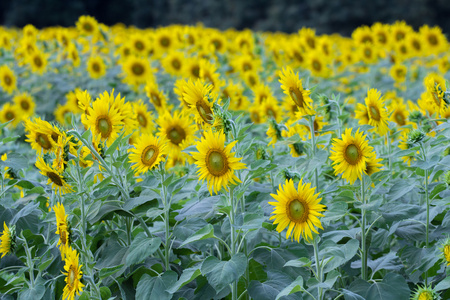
363, 233
389, 151
29, 262
149, 234
166, 220
233, 241
427, 198
318, 267
313, 145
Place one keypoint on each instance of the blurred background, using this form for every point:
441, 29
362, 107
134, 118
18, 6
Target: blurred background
327, 16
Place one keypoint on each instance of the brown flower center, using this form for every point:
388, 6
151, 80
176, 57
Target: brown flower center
399, 118
374, 113
297, 211
104, 126
432, 39
216, 162
96, 67
9, 115
25, 105
296, 96
176, 64
139, 45
204, 111
352, 154
195, 71
149, 155
43, 141
37, 61
55, 178
7, 80
155, 99
165, 42
137, 69
142, 120
88, 27
317, 65
71, 276
176, 134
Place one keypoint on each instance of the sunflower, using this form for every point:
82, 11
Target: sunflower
435, 41
261, 92
63, 114
381, 34
40, 135
83, 100
445, 251
197, 95
11, 113
157, 97
96, 67
318, 64
350, 155
73, 275
87, 25
7, 79
378, 116
399, 111
6, 240
104, 120
149, 152
425, 293
292, 86
62, 229
216, 163
297, 148
173, 63
178, 129
271, 109
209, 74
435, 89
38, 62
24, 102
54, 176
398, 73
299, 209
136, 70
143, 117
139, 44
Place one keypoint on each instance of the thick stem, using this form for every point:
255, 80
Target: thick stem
234, 290
363, 233
166, 222
427, 199
318, 267
29, 262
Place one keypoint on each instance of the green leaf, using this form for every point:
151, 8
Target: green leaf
187, 276
386, 262
393, 287
349, 295
339, 254
32, 293
106, 272
443, 285
298, 263
206, 232
155, 287
400, 188
16, 161
263, 291
142, 247
221, 273
294, 287
114, 145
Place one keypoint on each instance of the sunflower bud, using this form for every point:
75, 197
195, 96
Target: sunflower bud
426, 292
415, 116
415, 136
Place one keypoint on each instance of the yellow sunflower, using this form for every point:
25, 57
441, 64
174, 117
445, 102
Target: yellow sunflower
350, 155
5, 240
11, 113
104, 120
297, 148
38, 62
178, 129
96, 67
292, 86
173, 63
157, 97
445, 251
87, 25
55, 177
136, 70
40, 135
378, 115
143, 117
197, 95
398, 73
216, 162
7, 79
73, 275
149, 152
298, 210
25, 103
62, 229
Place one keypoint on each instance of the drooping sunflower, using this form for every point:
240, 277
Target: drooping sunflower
378, 115
25, 103
104, 120
5, 240
298, 210
62, 229
292, 86
40, 135
55, 177
73, 275
149, 152
216, 162
178, 129
197, 96
7, 79
350, 155
96, 67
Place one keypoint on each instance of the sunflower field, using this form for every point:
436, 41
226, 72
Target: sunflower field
185, 162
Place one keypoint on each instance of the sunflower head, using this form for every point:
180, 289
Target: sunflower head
148, 153
6, 239
73, 274
55, 177
7, 79
425, 293
297, 209
216, 162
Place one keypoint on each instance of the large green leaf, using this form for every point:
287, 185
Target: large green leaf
204, 233
141, 247
154, 288
187, 276
294, 287
222, 273
393, 287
